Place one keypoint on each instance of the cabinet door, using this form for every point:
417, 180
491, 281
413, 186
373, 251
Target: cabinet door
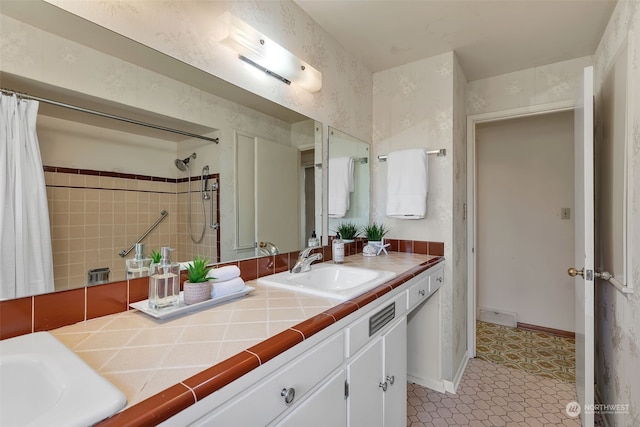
395, 368
326, 407
366, 397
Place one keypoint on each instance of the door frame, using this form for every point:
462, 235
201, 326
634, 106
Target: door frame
472, 121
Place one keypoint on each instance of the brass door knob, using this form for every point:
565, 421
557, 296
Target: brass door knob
573, 272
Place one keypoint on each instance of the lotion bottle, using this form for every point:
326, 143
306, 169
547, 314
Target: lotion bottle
164, 282
338, 250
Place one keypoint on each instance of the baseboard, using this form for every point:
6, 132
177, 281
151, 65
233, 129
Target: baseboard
452, 386
605, 417
428, 383
550, 331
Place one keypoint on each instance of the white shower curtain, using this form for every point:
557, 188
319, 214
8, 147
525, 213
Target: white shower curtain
26, 262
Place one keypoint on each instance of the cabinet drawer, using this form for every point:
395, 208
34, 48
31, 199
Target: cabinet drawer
265, 401
358, 332
436, 279
418, 291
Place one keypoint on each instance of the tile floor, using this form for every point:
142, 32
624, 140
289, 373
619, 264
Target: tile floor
493, 395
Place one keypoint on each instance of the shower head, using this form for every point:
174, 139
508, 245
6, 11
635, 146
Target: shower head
183, 163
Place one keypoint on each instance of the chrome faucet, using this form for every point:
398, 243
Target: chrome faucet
304, 260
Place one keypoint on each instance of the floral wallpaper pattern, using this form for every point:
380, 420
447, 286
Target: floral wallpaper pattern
189, 31
421, 105
534, 86
618, 315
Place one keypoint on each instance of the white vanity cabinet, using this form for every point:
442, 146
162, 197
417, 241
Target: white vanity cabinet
353, 373
423, 332
377, 373
325, 407
268, 398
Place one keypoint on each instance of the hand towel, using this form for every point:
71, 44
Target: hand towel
407, 184
222, 274
220, 289
341, 184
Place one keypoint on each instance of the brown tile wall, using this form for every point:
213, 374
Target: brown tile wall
50, 311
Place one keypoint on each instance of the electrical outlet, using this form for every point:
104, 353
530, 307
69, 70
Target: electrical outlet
565, 213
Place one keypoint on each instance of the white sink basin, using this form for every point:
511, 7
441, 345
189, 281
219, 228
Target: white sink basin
43, 383
330, 280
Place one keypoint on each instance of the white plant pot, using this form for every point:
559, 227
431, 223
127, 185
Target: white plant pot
194, 293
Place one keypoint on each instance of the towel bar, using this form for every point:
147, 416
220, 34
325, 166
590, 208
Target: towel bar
441, 152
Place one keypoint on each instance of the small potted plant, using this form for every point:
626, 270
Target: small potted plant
348, 231
197, 287
375, 233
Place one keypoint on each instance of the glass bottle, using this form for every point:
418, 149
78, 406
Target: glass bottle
164, 282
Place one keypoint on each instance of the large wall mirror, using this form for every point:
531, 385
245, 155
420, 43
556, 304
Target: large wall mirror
109, 182
348, 181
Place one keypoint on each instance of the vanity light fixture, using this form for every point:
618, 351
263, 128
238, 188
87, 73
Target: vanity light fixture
268, 56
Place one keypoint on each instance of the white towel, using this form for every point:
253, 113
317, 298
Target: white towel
222, 274
341, 184
407, 184
220, 289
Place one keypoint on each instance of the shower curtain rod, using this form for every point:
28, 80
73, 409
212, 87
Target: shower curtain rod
106, 115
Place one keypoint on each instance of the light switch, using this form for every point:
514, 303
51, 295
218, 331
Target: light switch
565, 213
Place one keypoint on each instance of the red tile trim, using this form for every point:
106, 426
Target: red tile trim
111, 174
138, 289
342, 310
16, 317
103, 300
154, 410
266, 266
275, 345
314, 325
58, 309
206, 382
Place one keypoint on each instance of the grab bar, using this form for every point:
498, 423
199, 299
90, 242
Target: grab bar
214, 187
163, 214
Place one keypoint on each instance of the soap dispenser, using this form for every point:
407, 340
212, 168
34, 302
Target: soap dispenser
164, 282
338, 249
313, 240
138, 266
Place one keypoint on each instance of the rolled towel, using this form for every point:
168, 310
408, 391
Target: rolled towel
184, 265
227, 287
223, 274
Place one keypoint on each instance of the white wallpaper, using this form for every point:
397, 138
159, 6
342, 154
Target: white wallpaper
617, 315
189, 31
534, 86
421, 104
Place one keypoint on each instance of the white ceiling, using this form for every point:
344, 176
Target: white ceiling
489, 37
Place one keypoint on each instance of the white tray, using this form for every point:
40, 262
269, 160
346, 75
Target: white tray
182, 308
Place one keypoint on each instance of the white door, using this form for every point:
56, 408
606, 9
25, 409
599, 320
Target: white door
366, 398
584, 243
277, 201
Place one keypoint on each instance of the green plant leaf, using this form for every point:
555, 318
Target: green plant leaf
156, 256
375, 232
348, 230
197, 270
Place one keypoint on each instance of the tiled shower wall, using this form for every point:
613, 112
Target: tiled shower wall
96, 214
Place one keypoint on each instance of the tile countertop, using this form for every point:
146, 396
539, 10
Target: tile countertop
169, 361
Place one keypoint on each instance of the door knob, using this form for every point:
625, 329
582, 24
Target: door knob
573, 272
